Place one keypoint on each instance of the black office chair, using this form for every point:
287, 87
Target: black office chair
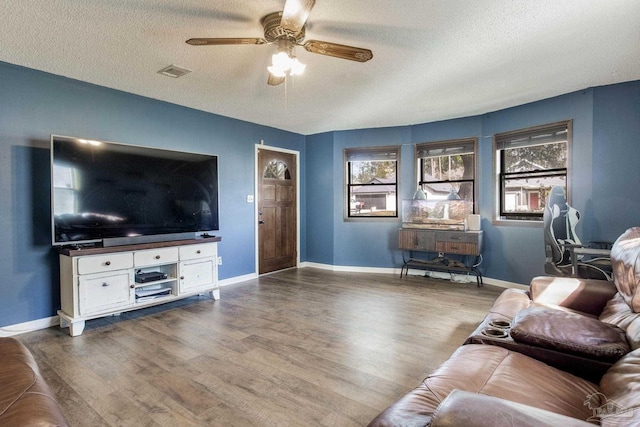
561, 242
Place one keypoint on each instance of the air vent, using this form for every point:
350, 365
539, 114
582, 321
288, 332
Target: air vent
174, 71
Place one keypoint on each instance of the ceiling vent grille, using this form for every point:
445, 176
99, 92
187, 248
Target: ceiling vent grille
174, 71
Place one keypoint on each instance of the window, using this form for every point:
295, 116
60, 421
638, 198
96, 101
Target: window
372, 182
446, 169
277, 170
65, 189
529, 163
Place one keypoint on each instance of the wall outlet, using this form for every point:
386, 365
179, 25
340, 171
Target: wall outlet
219, 260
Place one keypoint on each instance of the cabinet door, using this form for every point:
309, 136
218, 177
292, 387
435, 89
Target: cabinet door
418, 240
104, 292
407, 239
197, 275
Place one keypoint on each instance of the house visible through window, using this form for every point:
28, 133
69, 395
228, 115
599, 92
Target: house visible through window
529, 163
446, 169
372, 182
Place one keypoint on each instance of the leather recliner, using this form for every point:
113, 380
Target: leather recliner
569, 322
25, 398
537, 377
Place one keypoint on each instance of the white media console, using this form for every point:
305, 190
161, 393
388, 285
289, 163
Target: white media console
97, 282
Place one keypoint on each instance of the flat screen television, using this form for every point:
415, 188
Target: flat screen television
107, 193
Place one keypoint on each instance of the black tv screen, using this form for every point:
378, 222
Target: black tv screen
105, 190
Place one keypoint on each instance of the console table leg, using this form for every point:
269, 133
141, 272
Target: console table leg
76, 328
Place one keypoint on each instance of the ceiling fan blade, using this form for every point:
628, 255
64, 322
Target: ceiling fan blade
338, 50
275, 81
224, 41
295, 14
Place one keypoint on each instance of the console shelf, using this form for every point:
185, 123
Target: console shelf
441, 242
97, 282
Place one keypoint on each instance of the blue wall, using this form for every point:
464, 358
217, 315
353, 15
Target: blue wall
615, 201
34, 105
320, 230
604, 176
516, 253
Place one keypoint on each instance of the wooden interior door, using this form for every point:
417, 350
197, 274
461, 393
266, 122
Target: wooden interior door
277, 206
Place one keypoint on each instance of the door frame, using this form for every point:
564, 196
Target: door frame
257, 176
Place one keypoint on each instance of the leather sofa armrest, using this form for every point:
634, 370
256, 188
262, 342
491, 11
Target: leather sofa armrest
463, 408
584, 295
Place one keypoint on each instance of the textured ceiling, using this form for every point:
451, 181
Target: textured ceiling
433, 60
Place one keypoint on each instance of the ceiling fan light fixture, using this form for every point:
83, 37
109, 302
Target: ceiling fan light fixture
297, 67
281, 61
286, 29
285, 62
277, 72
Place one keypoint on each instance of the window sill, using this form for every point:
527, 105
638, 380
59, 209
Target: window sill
371, 219
517, 223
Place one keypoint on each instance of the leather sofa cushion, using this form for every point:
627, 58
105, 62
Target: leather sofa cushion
462, 408
25, 398
510, 302
620, 388
584, 296
569, 332
497, 372
617, 312
625, 263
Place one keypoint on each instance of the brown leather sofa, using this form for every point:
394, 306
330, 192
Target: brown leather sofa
565, 352
25, 398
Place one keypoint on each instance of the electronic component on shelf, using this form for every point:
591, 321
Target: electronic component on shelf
151, 276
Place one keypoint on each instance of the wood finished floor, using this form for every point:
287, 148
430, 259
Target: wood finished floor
303, 347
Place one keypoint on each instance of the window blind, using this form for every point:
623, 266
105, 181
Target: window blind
557, 132
372, 153
451, 148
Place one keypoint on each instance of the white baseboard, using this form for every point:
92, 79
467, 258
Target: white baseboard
48, 322
350, 269
33, 325
237, 279
438, 275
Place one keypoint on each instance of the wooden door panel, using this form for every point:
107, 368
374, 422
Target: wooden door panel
269, 192
284, 193
277, 208
288, 232
268, 236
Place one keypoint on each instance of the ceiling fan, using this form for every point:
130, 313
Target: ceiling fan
287, 30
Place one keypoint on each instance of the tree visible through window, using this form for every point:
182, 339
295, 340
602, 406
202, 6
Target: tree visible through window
447, 169
530, 163
372, 183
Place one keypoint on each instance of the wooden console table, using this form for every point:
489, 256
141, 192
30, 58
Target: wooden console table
441, 242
